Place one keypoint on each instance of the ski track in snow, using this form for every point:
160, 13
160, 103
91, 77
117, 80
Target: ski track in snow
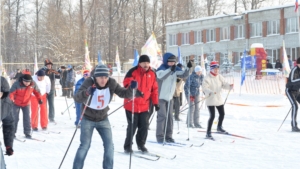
269, 149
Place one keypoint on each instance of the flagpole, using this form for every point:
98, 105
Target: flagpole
298, 25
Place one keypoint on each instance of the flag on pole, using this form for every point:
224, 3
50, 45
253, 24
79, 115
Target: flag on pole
296, 6
179, 56
1, 64
87, 62
152, 50
243, 75
136, 58
118, 61
35, 68
203, 63
285, 65
99, 58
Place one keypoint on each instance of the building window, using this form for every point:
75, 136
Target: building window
172, 40
273, 27
198, 36
211, 35
273, 55
256, 29
291, 25
225, 33
185, 38
239, 31
293, 52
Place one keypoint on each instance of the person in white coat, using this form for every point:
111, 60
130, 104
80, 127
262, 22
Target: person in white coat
212, 85
44, 84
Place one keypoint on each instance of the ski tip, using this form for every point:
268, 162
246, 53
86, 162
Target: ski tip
173, 157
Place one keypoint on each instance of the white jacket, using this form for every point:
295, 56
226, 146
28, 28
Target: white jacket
213, 85
44, 85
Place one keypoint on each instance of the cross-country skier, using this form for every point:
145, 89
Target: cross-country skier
7, 119
167, 75
212, 86
100, 88
86, 74
147, 84
70, 81
52, 74
44, 85
20, 95
193, 84
292, 92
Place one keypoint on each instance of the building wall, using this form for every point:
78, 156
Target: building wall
217, 49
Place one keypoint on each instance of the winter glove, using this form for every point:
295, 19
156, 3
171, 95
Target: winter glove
133, 84
139, 93
9, 151
189, 65
178, 80
192, 98
156, 107
40, 101
173, 68
90, 90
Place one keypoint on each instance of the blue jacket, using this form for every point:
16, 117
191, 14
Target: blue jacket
78, 84
193, 83
70, 76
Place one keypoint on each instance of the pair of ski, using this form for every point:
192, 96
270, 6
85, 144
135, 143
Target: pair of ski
177, 144
48, 132
228, 134
149, 156
32, 138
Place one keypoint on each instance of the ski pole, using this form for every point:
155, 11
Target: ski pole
194, 104
284, 119
227, 96
132, 122
68, 107
152, 118
118, 108
83, 111
62, 113
189, 112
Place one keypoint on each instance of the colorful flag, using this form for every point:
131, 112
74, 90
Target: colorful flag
296, 6
203, 63
285, 65
179, 56
152, 50
35, 68
243, 64
136, 58
118, 61
87, 62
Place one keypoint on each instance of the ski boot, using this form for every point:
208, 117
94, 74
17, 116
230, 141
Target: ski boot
221, 130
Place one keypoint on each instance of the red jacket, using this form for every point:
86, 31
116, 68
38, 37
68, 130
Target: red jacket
21, 94
146, 84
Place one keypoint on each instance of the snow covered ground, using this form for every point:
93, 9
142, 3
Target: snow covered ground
268, 149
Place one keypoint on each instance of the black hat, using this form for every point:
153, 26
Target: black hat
101, 70
298, 60
47, 62
40, 73
172, 59
144, 58
27, 78
179, 65
63, 67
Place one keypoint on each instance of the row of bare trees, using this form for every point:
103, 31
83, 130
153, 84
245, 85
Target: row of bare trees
56, 29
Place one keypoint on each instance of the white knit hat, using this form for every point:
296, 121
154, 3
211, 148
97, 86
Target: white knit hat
198, 68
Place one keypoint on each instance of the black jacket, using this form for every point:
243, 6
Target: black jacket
52, 76
293, 83
6, 114
114, 87
278, 65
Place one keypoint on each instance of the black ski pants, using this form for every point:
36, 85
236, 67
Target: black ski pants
141, 122
211, 110
293, 97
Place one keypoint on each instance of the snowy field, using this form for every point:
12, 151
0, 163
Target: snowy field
268, 149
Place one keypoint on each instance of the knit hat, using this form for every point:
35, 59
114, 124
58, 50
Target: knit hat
69, 66
86, 73
27, 78
144, 58
298, 60
214, 65
101, 70
63, 67
198, 68
40, 73
172, 59
26, 72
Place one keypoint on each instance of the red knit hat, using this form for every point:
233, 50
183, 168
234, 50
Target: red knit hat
213, 65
